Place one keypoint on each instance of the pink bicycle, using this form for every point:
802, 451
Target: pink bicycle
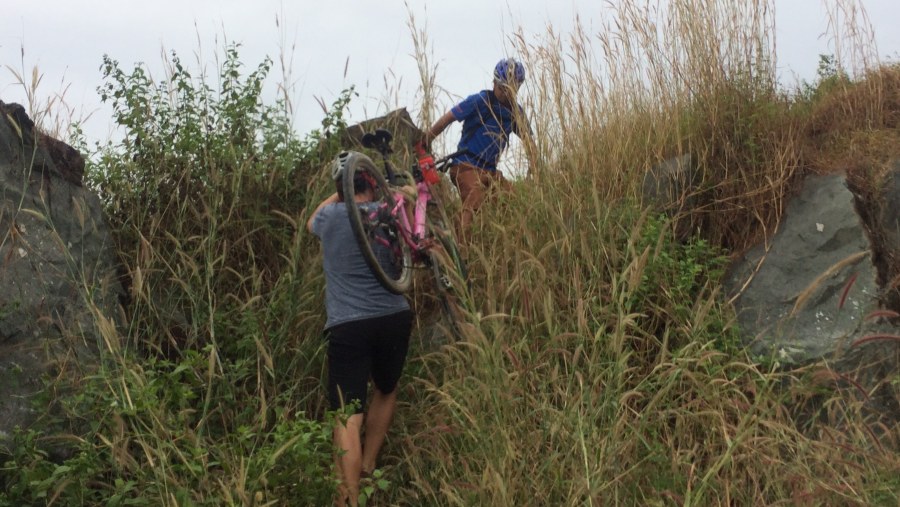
399, 232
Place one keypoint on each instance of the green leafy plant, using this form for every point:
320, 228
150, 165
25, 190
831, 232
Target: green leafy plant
675, 276
204, 193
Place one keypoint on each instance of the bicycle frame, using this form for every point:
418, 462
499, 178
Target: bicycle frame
408, 219
412, 233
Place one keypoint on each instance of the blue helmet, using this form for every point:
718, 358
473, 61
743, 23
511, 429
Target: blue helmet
509, 70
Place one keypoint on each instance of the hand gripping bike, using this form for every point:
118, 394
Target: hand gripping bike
407, 227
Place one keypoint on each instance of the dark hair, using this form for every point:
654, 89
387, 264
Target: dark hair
361, 183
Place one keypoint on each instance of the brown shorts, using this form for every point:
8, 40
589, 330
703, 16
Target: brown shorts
474, 183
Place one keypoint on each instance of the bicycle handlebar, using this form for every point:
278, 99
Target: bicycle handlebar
441, 162
380, 140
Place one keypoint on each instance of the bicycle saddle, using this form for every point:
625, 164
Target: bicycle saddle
379, 140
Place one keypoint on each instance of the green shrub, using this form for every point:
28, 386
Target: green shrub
211, 394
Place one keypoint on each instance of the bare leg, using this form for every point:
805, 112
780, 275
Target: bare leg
378, 420
348, 465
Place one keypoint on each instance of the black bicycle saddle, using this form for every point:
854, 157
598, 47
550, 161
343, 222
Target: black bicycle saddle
379, 140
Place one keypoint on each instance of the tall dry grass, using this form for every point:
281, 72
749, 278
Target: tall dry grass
51, 111
602, 368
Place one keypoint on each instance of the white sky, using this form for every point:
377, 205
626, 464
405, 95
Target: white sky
66, 39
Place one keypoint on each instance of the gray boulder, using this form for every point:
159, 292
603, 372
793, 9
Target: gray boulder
806, 291
824, 286
59, 287
823, 289
398, 122
671, 185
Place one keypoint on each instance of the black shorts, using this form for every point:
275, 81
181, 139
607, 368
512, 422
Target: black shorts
366, 348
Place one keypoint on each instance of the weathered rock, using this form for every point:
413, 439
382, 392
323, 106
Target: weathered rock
670, 185
878, 204
671, 188
806, 292
58, 283
817, 289
398, 122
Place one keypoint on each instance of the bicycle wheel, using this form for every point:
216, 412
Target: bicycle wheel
449, 272
454, 261
439, 225
376, 230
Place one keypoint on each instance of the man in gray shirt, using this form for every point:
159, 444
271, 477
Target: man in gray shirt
368, 331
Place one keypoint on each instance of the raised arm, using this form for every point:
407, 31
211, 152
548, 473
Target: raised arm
439, 126
333, 198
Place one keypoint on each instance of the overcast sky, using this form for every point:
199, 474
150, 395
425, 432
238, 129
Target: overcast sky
66, 39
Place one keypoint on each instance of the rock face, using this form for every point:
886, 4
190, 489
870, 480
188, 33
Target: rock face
670, 186
807, 291
398, 122
825, 287
670, 183
57, 266
827, 276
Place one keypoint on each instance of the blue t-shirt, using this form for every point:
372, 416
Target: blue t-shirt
486, 127
351, 290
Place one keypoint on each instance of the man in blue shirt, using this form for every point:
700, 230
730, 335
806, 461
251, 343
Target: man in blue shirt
368, 331
488, 117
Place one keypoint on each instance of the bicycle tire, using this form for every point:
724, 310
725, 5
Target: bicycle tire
370, 231
439, 227
445, 238
450, 278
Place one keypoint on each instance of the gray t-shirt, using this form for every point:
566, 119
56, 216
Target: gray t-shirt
351, 290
